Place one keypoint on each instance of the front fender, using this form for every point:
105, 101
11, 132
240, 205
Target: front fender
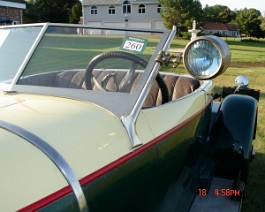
233, 132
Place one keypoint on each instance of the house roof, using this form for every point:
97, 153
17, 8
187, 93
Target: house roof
111, 2
220, 26
13, 4
232, 27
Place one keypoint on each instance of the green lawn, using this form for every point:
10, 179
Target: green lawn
248, 58
75, 52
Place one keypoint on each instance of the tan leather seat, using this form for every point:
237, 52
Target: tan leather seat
66, 79
178, 86
70, 79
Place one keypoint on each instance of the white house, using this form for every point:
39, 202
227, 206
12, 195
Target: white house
120, 13
221, 29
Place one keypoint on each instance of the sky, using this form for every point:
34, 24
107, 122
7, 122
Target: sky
237, 4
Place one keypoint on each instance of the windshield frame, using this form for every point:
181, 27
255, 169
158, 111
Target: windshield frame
103, 99
126, 106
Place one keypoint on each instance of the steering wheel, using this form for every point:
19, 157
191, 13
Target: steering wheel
127, 80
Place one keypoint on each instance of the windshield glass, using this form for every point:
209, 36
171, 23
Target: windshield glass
105, 66
91, 59
15, 44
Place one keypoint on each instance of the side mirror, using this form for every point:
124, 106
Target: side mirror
242, 81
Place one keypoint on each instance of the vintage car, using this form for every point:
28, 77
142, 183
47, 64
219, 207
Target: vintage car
89, 122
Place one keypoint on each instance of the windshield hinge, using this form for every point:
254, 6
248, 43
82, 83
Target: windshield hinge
165, 59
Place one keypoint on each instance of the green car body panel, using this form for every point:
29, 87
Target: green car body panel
141, 180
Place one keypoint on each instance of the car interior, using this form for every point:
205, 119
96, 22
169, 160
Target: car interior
177, 86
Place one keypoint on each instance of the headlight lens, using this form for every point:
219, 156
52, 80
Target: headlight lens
206, 57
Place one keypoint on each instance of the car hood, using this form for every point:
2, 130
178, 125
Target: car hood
87, 136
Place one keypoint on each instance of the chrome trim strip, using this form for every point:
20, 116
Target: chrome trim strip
54, 156
130, 120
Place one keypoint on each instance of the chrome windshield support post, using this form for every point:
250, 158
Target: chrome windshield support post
129, 121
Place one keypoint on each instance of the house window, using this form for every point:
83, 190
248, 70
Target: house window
159, 8
94, 10
111, 9
126, 7
141, 8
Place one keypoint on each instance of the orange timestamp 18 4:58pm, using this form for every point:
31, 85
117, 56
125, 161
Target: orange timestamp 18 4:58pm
224, 192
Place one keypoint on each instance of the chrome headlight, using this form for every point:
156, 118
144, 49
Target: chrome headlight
206, 57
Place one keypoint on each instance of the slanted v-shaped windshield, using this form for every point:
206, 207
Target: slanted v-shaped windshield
105, 66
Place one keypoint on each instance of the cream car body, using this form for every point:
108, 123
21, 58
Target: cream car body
87, 122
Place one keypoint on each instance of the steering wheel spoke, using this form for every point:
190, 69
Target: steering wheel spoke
106, 79
127, 81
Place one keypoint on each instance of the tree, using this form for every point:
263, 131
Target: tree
218, 13
76, 13
262, 20
249, 22
181, 12
57, 11
171, 16
31, 13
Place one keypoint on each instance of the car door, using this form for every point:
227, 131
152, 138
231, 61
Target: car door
177, 126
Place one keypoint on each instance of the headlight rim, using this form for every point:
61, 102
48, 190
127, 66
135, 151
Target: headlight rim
223, 51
